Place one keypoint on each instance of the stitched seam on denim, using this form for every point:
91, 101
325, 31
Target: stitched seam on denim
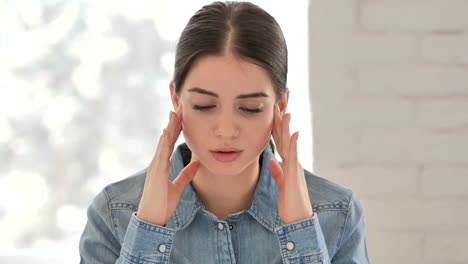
176, 220
314, 258
189, 220
111, 217
295, 226
138, 259
152, 228
336, 206
351, 199
229, 244
282, 237
129, 257
159, 230
290, 258
123, 205
253, 212
282, 240
119, 207
311, 258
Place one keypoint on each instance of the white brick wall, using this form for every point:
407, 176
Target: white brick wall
343, 12
449, 182
414, 15
395, 247
453, 247
389, 92
419, 79
349, 49
450, 48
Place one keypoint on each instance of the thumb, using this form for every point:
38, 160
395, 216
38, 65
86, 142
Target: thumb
276, 172
185, 176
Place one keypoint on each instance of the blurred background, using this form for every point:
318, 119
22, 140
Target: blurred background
379, 91
83, 99
389, 97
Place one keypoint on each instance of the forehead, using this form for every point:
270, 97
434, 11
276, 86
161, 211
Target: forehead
228, 75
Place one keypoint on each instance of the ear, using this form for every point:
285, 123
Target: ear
174, 96
283, 103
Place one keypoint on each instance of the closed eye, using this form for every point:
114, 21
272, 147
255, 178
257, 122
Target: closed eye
251, 110
203, 107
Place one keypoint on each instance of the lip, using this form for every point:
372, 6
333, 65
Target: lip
226, 154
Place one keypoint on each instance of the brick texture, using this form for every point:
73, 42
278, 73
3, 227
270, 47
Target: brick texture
450, 48
414, 15
389, 96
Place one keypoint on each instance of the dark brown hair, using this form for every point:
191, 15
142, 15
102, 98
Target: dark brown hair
241, 28
248, 31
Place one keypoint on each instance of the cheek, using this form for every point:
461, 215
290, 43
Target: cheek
192, 129
264, 124
268, 120
188, 123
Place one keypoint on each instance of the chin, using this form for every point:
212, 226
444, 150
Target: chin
228, 168
220, 168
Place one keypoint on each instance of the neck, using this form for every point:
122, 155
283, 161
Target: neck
226, 194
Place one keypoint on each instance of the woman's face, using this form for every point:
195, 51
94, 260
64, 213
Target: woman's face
227, 112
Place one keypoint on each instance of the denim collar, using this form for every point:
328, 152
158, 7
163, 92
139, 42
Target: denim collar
263, 207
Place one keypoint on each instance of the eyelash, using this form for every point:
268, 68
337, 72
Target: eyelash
251, 110
204, 108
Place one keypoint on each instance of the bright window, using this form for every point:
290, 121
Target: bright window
83, 98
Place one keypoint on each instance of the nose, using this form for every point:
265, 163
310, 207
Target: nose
227, 125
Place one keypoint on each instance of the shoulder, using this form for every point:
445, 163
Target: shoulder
110, 211
327, 195
341, 215
123, 194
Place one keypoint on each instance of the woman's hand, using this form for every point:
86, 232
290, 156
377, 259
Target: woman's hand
160, 195
293, 196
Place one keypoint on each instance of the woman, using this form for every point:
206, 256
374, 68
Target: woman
221, 197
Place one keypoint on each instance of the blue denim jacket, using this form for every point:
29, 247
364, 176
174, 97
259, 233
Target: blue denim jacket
335, 234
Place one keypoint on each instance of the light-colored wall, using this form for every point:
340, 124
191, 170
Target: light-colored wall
389, 93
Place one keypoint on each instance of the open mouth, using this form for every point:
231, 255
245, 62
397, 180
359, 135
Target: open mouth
225, 155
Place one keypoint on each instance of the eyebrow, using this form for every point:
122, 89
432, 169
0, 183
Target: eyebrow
241, 96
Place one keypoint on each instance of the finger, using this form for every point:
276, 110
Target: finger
159, 149
153, 162
276, 172
165, 152
174, 127
159, 165
285, 135
276, 131
178, 111
294, 166
293, 160
185, 176
166, 146
178, 114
